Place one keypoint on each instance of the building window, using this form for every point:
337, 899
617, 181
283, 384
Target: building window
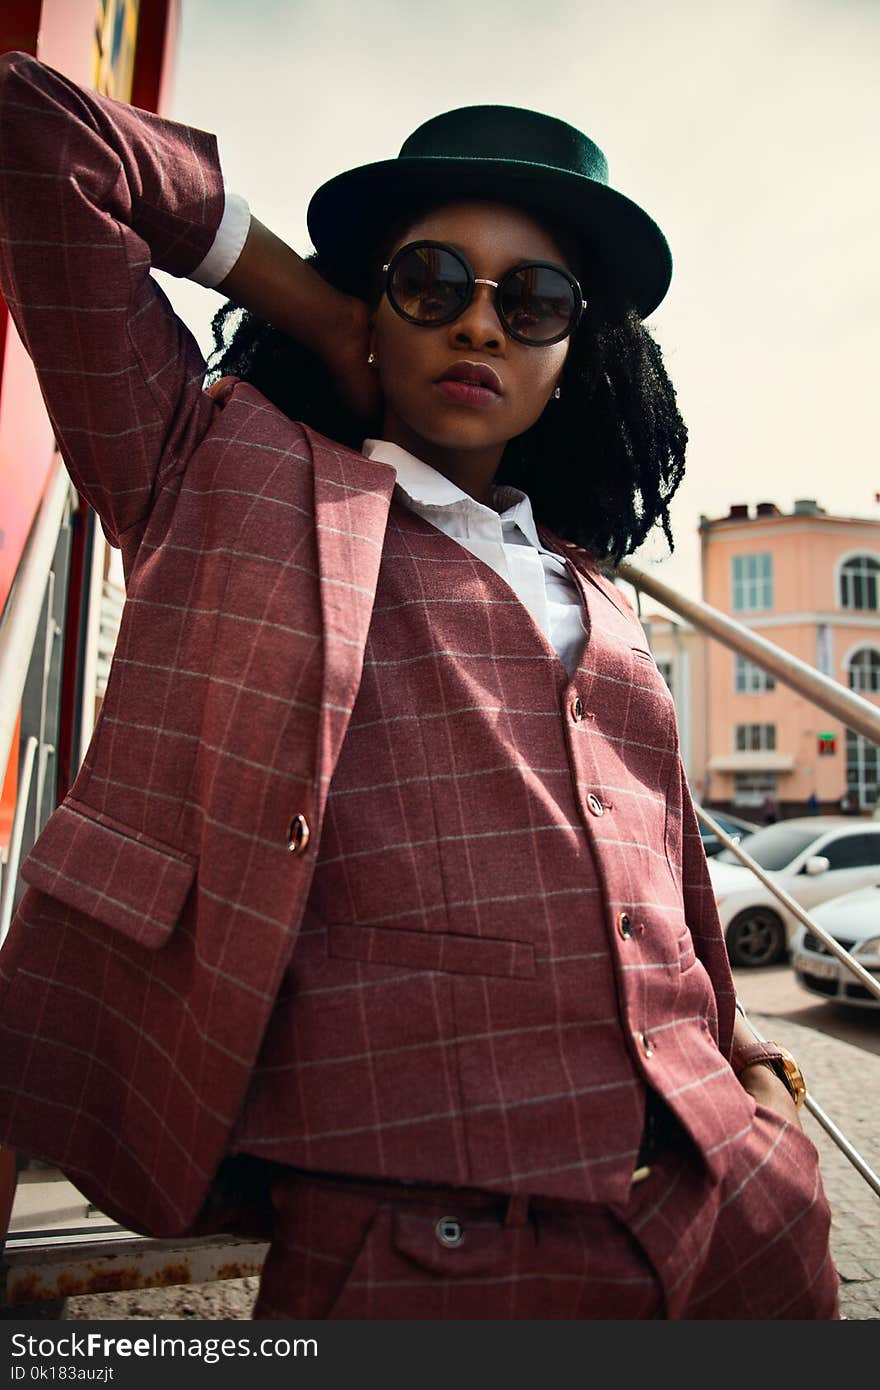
749, 679
664, 666
755, 738
864, 671
858, 582
752, 582
754, 788
862, 769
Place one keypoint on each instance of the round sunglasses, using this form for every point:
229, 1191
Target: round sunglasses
429, 283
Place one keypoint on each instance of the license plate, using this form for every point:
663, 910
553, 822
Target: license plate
815, 965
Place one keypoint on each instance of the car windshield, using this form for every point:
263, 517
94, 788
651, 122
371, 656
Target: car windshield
774, 846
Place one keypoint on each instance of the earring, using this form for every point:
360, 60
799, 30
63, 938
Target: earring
557, 393
371, 360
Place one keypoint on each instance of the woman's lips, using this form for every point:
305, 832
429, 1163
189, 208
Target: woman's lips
468, 393
470, 383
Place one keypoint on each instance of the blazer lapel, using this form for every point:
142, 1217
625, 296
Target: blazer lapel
352, 498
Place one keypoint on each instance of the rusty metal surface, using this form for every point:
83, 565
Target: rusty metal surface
42, 1272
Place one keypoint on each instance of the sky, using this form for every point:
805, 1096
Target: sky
749, 131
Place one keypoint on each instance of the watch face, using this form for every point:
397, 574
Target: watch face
792, 1075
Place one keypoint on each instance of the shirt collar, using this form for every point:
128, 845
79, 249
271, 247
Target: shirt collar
423, 486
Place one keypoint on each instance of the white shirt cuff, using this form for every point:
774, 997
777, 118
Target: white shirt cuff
228, 243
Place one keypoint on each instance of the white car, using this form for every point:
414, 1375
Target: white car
854, 921
812, 857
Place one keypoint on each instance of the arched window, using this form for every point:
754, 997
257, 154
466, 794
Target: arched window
864, 670
858, 582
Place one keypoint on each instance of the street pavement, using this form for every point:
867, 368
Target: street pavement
844, 1080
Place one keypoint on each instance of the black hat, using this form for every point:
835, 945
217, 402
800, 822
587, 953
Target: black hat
505, 154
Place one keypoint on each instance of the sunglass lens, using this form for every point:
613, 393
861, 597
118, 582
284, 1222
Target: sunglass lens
537, 303
429, 285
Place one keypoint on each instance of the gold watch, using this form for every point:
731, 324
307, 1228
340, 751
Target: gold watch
779, 1059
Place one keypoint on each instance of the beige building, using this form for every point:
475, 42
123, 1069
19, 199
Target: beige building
809, 582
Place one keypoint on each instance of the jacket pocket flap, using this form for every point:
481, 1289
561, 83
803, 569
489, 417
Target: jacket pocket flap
114, 874
423, 950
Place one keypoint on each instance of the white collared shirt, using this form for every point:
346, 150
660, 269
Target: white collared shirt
506, 540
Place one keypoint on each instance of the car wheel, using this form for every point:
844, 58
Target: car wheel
755, 937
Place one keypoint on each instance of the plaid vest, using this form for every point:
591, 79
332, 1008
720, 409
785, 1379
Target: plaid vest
494, 959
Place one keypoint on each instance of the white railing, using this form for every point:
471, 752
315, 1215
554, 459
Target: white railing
834, 698
21, 616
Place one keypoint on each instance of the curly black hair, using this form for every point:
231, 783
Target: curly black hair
600, 466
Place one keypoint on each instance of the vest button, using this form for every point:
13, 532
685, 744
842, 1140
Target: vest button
449, 1231
624, 925
298, 834
595, 805
577, 709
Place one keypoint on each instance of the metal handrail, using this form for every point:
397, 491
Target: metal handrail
854, 711
10, 871
22, 616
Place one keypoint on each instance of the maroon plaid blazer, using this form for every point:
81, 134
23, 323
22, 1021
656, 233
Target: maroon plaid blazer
164, 900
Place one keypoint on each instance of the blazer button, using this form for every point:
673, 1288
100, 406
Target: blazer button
645, 1044
624, 925
577, 710
595, 805
298, 834
449, 1231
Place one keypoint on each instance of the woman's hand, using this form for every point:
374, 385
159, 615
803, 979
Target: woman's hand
764, 1086
759, 1079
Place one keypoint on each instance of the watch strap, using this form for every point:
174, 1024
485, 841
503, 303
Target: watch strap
773, 1055
750, 1054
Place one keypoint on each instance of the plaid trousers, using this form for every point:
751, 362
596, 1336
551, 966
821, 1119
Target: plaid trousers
681, 1248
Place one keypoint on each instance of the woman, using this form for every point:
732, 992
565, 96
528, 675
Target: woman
377, 918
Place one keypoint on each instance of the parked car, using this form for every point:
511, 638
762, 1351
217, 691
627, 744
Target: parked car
854, 921
813, 858
734, 826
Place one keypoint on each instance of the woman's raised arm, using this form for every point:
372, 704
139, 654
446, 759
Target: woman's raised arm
273, 282
93, 193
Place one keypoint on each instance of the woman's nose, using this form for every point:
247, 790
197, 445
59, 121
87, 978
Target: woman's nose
478, 325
